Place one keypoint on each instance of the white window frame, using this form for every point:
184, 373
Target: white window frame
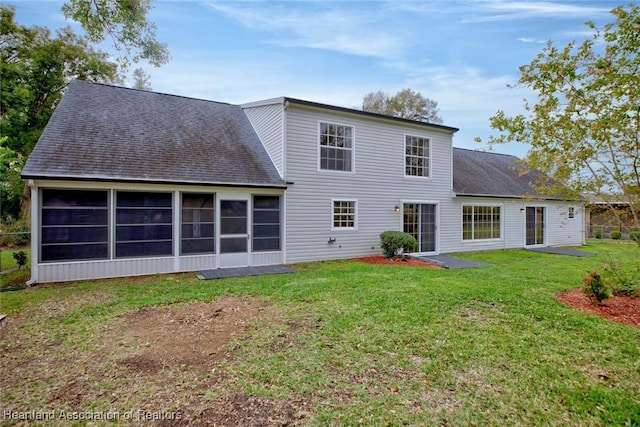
429, 158
481, 205
352, 149
355, 214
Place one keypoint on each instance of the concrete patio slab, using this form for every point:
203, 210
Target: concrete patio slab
221, 273
561, 251
452, 263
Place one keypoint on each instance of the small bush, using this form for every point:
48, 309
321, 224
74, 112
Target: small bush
623, 278
597, 233
393, 241
616, 235
21, 258
595, 288
635, 236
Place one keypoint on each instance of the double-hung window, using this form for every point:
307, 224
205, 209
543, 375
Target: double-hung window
344, 215
480, 222
417, 156
336, 147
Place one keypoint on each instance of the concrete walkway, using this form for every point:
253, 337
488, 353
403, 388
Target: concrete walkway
561, 251
450, 262
221, 273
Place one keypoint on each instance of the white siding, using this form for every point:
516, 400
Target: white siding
560, 230
377, 183
268, 122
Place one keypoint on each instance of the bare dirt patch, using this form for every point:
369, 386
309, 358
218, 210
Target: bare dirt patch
169, 359
194, 336
398, 260
619, 308
190, 341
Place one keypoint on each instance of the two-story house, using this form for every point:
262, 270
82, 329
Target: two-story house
126, 182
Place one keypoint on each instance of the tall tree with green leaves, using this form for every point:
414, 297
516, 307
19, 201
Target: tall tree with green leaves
406, 104
584, 125
125, 23
35, 68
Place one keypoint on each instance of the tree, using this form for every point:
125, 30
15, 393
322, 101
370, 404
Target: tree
584, 129
406, 104
141, 80
11, 164
35, 69
125, 22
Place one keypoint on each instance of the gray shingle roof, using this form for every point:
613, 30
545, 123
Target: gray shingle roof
479, 173
111, 133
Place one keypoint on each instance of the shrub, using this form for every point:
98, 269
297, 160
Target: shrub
623, 278
635, 236
393, 241
616, 235
595, 288
21, 258
597, 233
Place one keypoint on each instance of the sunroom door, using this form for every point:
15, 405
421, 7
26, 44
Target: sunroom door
535, 226
234, 233
420, 220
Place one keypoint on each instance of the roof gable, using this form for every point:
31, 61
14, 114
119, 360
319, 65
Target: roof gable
112, 133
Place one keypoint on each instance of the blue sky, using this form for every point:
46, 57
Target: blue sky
462, 54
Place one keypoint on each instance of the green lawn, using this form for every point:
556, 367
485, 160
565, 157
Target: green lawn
9, 275
355, 344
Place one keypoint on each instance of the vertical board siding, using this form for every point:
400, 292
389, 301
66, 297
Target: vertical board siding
60, 272
198, 262
268, 122
266, 258
377, 183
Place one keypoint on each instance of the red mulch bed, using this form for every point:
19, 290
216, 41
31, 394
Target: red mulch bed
619, 308
398, 260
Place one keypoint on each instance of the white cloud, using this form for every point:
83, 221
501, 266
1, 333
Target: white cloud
354, 32
531, 40
492, 11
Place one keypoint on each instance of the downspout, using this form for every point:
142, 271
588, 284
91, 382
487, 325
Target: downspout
285, 107
35, 234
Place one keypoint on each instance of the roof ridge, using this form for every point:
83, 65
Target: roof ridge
109, 85
486, 152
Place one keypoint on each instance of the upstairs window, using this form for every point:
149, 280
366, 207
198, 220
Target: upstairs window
417, 156
336, 147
